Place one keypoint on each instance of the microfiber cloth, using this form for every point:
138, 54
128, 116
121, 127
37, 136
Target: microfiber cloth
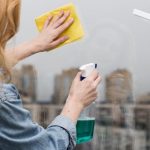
74, 32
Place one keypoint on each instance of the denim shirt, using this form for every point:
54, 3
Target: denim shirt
18, 132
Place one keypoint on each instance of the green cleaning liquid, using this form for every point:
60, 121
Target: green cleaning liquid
85, 129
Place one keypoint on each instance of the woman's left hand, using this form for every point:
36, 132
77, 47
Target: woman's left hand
49, 38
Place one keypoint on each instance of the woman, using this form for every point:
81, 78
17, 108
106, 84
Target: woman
17, 131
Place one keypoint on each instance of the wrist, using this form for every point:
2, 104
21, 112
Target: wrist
74, 101
36, 46
39, 44
72, 109
28, 49
25, 50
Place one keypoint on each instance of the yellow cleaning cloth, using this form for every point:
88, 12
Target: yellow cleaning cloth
74, 32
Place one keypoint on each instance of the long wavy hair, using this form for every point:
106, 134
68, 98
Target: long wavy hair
9, 23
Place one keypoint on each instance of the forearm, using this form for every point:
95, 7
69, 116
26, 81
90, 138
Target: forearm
72, 109
26, 49
20, 52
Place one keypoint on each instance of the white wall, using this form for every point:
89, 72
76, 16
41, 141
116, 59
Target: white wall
114, 39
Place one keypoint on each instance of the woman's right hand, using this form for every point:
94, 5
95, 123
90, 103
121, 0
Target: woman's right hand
85, 92
82, 93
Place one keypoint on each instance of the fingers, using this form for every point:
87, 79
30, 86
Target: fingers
61, 19
92, 96
94, 79
47, 22
93, 76
64, 26
57, 17
59, 41
78, 76
97, 81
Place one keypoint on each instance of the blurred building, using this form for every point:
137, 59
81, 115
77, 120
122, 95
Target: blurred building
112, 138
111, 115
142, 116
62, 84
119, 87
16, 78
144, 99
25, 80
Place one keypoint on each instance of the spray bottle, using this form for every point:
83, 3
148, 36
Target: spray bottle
86, 121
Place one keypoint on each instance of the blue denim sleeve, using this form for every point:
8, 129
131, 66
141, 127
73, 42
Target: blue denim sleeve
18, 132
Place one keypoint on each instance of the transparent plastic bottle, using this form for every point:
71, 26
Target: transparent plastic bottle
86, 122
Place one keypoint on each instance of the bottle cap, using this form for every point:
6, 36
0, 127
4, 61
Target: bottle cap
87, 69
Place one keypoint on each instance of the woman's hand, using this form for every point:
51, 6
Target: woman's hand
49, 37
85, 91
82, 94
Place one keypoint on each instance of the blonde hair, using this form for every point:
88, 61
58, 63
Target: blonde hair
9, 22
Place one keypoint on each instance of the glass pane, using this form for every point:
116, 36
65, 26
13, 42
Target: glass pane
119, 43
